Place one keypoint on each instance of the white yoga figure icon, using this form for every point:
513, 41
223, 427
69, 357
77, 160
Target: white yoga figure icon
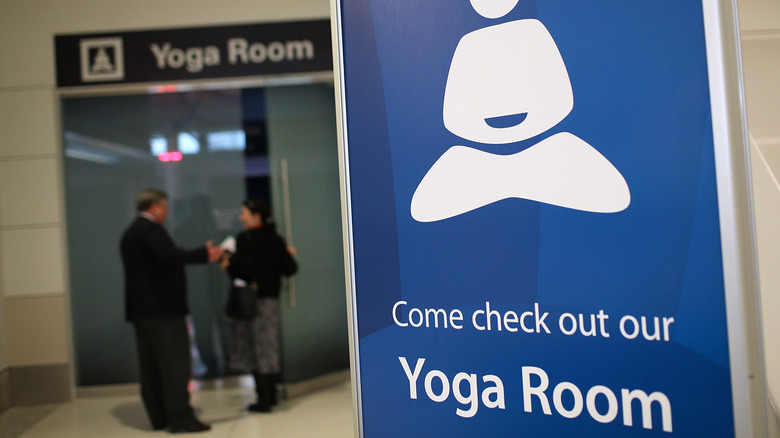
508, 83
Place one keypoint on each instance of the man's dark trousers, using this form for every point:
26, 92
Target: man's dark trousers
164, 358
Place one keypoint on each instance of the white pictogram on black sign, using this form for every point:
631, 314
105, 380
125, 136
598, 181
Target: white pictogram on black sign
102, 60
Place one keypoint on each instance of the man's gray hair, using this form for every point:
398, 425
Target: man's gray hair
148, 197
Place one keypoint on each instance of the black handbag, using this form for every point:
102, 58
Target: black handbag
242, 302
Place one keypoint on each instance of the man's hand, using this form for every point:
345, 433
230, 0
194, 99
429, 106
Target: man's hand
215, 252
225, 263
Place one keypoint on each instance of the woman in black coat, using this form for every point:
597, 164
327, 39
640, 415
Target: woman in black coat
261, 257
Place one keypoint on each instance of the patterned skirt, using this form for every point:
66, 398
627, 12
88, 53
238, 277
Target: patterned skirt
254, 345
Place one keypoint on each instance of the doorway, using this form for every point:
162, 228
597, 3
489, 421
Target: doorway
208, 150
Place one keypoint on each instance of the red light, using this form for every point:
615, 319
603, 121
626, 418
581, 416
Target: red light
169, 156
166, 88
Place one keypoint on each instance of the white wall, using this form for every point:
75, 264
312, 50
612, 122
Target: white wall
758, 16
760, 30
767, 210
34, 313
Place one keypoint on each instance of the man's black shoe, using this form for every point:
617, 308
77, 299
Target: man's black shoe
259, 407
191, 428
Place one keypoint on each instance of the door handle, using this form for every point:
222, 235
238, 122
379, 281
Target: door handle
285, 176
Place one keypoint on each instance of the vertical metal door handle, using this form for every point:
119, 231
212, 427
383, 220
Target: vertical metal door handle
288, 223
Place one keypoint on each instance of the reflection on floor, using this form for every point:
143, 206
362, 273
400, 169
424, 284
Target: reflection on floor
324, 413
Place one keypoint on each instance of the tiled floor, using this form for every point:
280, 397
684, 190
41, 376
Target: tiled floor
324, 413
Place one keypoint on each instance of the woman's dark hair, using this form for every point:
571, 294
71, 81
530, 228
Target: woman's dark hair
259, 206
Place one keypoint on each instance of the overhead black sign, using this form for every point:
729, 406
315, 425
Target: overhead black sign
193, 53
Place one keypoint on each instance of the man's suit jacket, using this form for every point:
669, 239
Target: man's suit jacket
155, 282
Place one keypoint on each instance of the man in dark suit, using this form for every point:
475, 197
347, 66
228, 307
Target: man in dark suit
156, 304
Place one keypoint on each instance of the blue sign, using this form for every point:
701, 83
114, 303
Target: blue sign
535, 236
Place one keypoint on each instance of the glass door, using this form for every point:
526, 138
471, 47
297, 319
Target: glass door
303, 153
208, 150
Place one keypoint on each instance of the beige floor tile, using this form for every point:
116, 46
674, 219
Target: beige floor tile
326, 413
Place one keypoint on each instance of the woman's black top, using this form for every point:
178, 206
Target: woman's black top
262, 256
